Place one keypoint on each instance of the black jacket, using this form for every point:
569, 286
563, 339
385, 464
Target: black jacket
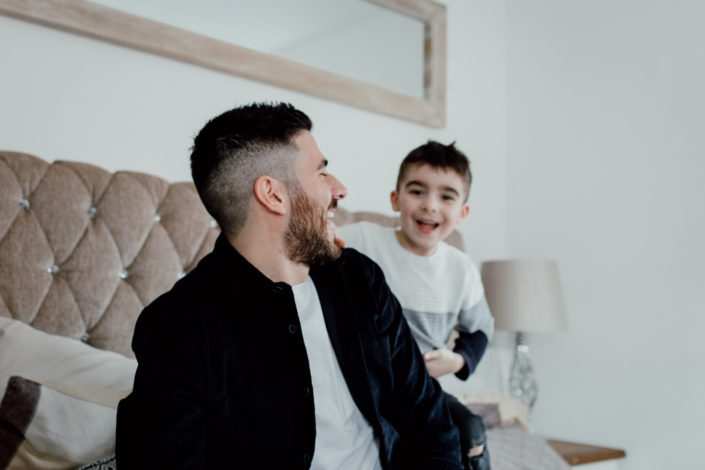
223, 379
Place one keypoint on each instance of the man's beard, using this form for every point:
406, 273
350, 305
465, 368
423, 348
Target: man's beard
306, 239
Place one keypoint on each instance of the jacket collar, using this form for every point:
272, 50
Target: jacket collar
236, 271
343, 325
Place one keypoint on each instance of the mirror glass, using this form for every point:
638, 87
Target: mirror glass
352, 38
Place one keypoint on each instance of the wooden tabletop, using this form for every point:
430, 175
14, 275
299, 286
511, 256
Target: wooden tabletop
577, 454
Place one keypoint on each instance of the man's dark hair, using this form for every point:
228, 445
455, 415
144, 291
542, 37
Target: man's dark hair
237, 147
438, 157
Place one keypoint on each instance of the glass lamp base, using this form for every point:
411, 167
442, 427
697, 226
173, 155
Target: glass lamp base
522, 382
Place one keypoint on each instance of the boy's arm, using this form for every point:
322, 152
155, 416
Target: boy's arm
440, 362
461, 361
475, 329
471, 347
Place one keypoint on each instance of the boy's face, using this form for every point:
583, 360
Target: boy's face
431, 203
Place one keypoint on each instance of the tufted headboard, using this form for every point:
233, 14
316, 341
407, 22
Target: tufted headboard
83, 250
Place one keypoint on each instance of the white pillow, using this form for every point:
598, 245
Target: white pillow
71, 391
42, 357
46, 428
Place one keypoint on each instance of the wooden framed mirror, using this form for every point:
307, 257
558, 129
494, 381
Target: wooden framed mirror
118, 26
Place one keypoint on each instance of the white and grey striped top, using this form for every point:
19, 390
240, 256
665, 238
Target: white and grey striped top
438, 293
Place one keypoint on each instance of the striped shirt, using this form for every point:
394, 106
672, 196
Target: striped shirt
438, 293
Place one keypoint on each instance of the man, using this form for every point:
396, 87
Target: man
280, 350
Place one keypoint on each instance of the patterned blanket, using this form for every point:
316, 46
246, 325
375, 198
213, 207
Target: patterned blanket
512, 448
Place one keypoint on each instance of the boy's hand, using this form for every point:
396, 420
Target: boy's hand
440, 362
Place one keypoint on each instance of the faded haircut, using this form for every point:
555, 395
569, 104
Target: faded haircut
237, 147
439, 157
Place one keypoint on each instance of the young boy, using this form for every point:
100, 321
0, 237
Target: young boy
438, 286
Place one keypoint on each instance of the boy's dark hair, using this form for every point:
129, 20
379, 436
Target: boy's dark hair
439, 157
237, 147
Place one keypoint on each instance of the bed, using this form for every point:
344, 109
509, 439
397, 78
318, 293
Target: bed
82, 251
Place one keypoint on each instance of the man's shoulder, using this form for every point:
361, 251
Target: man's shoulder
186, 298
367, 287
360, 273
355, 262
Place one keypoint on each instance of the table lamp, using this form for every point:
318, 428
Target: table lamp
524, 296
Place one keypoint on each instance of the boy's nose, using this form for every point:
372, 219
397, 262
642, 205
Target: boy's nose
430, 204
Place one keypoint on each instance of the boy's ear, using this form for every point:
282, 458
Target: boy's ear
271, 194
464, 212
394, 197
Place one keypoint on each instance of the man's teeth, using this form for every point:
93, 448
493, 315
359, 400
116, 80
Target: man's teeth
330, 214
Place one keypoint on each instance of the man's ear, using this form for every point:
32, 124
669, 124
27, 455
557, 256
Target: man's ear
394, 197
271, 194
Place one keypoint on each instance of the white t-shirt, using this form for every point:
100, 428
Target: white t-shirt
344, 438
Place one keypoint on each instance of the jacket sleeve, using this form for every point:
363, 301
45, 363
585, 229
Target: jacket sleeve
161, 424
420, 411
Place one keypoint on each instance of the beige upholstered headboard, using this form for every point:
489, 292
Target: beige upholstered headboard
83, 250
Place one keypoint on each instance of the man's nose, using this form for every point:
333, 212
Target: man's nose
337, 188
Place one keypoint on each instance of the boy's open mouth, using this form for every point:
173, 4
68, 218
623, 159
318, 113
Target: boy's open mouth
426, 227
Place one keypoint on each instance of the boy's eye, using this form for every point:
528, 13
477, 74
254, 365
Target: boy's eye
415, 192
448, 197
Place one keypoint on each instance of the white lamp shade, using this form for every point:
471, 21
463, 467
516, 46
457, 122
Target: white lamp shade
524, 295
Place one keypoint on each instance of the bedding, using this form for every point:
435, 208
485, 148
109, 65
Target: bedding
47, 358
82, 251
512, 448
58, 398
56, 426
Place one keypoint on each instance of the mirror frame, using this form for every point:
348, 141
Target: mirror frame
118, 27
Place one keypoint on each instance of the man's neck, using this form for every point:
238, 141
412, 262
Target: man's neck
268, 255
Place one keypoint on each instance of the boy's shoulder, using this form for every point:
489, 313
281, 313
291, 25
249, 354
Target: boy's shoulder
457, 258
366, 226
363, 233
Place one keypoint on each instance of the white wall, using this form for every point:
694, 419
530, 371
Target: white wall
606, 170
67, 97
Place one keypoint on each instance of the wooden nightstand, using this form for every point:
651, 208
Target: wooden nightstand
588, 457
